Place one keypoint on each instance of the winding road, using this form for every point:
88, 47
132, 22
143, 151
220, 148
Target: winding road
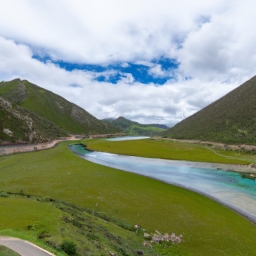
24, 248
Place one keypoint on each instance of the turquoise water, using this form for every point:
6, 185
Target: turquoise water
225, 186
128, 138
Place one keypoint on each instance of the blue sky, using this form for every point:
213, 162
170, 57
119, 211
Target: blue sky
149, 61
139, 71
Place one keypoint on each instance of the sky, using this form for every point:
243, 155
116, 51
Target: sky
151, 61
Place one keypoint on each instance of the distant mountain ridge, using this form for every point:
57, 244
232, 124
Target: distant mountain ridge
136, 129
29, 113
231, 119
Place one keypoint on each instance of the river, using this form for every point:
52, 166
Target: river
226, 187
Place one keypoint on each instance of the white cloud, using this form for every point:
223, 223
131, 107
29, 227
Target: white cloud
157, 71
125, 65
214, 42
100, 31
223, 48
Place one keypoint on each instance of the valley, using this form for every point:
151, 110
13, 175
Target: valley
127, 128
70, 206
118, 198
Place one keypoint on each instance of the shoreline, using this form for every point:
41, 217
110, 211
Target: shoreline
238, 211
224, 167
232, 208
220, 166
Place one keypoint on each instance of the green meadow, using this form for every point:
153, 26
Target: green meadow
168, 149
4, 251
55, 198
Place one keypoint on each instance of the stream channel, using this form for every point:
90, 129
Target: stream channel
226, 187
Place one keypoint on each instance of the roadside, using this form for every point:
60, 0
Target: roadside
10, 149
22, 247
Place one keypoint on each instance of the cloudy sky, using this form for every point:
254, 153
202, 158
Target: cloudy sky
151, 61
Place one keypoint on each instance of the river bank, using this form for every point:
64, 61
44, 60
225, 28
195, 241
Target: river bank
224, 184
242, 168
225, 167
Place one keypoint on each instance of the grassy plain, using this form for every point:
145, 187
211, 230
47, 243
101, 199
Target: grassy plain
4, 251
118, 199
168, 149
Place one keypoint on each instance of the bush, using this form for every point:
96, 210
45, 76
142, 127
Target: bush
3, 194
69, 247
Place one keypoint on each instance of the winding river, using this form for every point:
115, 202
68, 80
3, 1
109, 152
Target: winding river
227, 187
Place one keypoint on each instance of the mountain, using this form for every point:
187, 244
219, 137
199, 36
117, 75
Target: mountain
161, 126
231, 119
136, 129
29, 113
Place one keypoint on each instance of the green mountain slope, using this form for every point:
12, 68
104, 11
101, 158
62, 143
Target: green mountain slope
29, 113
135, 129
231, 119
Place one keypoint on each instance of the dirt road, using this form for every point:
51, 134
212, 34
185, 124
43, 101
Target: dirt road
10, 149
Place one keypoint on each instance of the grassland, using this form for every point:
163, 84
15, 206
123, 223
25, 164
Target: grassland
4, 251
56, 183
49, 223
168, 149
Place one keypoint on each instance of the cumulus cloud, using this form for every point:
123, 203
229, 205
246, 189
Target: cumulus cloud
213, 42
95, 32
222, 49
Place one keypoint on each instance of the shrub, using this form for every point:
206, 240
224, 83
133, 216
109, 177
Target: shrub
3, 194
69, 247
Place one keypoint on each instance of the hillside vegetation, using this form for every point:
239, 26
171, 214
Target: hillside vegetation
231, 119
136, 129
29, 113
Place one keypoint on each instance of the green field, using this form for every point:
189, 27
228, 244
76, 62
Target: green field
49, 223
52, 195
168, 149
4, 251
